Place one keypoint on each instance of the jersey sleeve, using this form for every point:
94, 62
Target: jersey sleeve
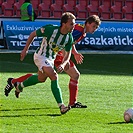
68, 46
78, 32
43, 31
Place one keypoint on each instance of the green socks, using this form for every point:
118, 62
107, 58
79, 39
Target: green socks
56, 91
32, 80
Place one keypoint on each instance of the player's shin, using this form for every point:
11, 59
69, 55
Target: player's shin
73, 90
56, 92
22, 78
32, 80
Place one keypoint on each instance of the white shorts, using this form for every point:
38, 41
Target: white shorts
41, 60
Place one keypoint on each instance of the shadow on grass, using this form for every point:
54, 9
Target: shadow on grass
53, 115
23, 109
25, 115
117, 123
22, 115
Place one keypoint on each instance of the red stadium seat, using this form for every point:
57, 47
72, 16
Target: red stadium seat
92, 8
35, 4
56, 8
7, 10
69, 6
104, 9
117, 16
116, 9
128, 10
44, 10
20, 1
129, 3
81, 9
47, 1
1, 1
10, 1
17, 11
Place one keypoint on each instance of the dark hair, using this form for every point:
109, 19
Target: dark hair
93, 18
66, 16
27, 1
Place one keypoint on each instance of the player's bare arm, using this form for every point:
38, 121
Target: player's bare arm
78, 57
64, 62
29, 41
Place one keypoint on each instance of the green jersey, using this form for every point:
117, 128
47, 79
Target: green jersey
53, 41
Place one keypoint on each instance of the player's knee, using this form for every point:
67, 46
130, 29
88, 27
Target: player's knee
41, 80
67, 67
54, 76
76, 76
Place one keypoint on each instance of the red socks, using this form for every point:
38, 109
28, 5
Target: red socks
73, 91
22, 78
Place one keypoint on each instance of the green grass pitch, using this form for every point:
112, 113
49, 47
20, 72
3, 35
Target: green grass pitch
105, 86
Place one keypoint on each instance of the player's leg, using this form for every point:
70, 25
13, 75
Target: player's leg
74, 74
73, 83
56, 89
73, 86
32, 80
22, 78
12, 81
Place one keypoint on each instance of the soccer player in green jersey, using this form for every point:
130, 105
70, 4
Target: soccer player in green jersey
79, 32
55, 38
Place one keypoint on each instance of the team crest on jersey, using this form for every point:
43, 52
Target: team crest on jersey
46, 62
42, 30
56, 49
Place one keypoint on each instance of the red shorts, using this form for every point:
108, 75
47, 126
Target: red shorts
59, 58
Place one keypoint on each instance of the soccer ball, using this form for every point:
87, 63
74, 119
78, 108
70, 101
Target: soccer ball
128, 115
